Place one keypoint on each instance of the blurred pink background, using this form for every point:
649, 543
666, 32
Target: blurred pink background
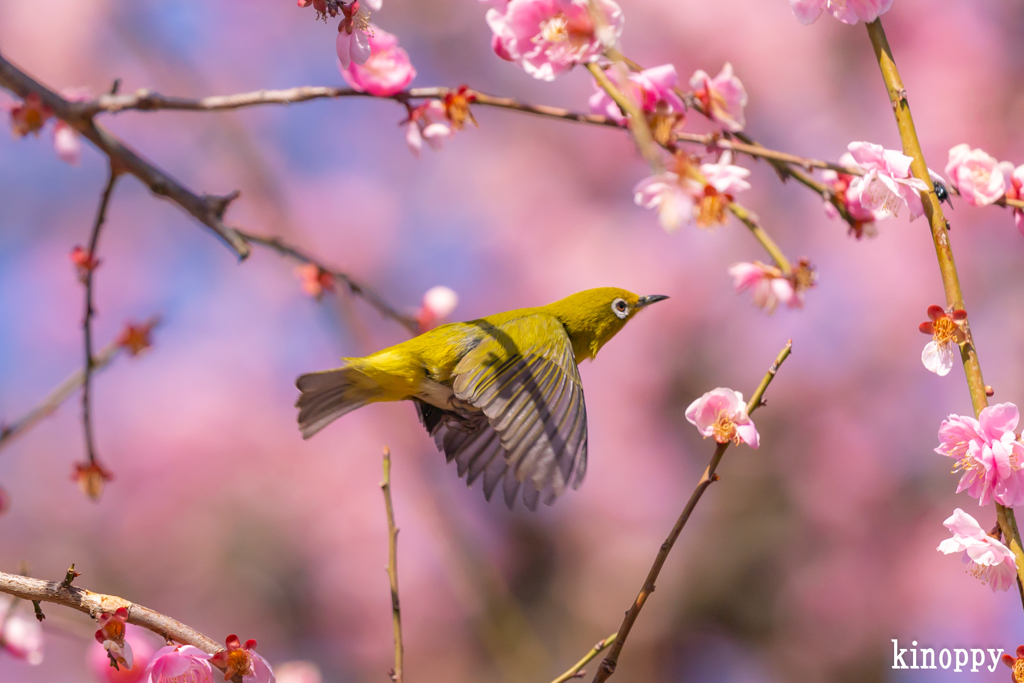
803, 563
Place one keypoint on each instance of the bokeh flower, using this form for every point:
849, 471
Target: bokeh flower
674, 197
242, 659
29, 116
987, 558
988, 452
21, 634
767, 283
387, 70
438, 303
846, 11
84, 263
723, 97
179, 664
976, 176
652, 89
298, 672
314, 280
549, 37
427, 123
1016, 191
90, 477
722, 414
136, 338
946, 330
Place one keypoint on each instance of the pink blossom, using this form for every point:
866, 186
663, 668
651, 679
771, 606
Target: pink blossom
243, 659
725, 177
111, 635
887, 183
846, 11
976, 176
298, 672
722, 413
674, 198
987, 558
650, 88
549, 37
427, 122
947, 333
142, 652
768, 285
67, 143
386, 72
438, 303
179, 664
723, 97
21, 634
1016, 191
353, 44
988, 453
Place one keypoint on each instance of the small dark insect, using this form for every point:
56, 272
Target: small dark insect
942, 193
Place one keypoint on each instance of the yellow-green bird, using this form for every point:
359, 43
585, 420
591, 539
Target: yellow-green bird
501, 395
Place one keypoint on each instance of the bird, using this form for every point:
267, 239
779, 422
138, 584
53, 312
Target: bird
500, 395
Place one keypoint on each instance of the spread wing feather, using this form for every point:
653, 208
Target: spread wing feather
524, 425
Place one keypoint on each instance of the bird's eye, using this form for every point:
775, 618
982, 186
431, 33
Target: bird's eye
620, 308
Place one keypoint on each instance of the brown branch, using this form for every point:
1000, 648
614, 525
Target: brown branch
396, 609
944, 254
355, 287
89, 271
94, 604
63, 391
209, 210
607, 667
147, 100
576, 670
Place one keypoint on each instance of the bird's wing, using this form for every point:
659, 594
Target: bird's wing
523, 378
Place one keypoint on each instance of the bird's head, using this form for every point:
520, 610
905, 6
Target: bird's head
594, 316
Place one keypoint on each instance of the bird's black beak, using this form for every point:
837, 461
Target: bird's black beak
645, 301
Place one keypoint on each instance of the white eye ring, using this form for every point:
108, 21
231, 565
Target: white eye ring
620, 308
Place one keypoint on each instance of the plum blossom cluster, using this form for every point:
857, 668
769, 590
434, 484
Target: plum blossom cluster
654, 91
982, 180
722, 414
549, 37
989, 454
770, 286
986, 557
32, 115
692, 193
885, 187
846, 11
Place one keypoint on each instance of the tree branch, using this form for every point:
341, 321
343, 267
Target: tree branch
396, 609
607, 667
355, 287
209, 210
94, 238
944, 254
94, 604
576, 670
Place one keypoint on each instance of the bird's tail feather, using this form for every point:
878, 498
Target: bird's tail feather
329, 394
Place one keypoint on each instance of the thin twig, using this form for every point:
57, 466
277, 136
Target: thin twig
94, 238
355, 287
63, 391
576, 670
749, 219
209, 210
396, 609
607, 666
944, 254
